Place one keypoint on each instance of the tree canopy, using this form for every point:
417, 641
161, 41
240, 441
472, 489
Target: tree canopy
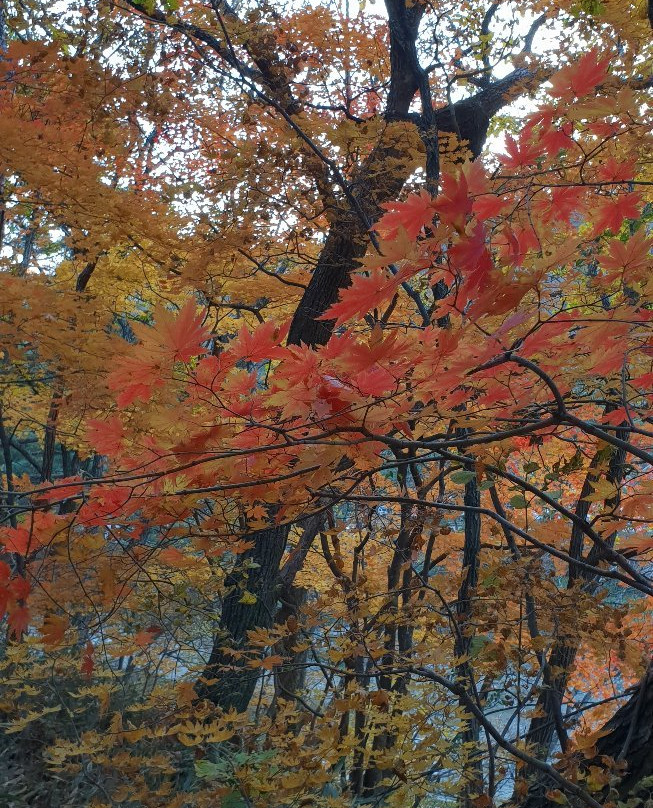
326, 403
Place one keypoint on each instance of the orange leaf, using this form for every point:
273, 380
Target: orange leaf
105, 436
17, 540
268, 662
364, 294
179, 336
454, 204
630, 256
53, 629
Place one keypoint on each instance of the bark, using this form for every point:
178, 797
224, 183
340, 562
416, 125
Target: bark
563, 654
464, 671
627, 737
351, 212
227, 680
289, 677
398, 637
348, 239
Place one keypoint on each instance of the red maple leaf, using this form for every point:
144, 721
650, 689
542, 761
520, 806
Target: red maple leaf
88, 660
561, 205
178, 336
472, 258
18, 620
611, 213
613, 170
521, 152
580, 78
261, 344
134, 379
105, 436
487, 206
413, 214
555, 140
454, 204
629, 256
364, 294
16, 540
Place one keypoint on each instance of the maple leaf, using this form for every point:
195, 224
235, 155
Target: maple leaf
632, 256
106, 503
6, 594
392, 250
471, 256
555, 140
173, 338
53, 629
19, 588
18, 620
134, 380
268, 663
146, 637
454, 203
261, 344
17, 540
173, 557
5, 573
178, 336
580, 79
518, 242
65, 487
636, 545
610, 214
616, 417
106, 436
412, 215
488, 206
614, 170
364, 294
186, 694
561, 205
88, 660
521, 152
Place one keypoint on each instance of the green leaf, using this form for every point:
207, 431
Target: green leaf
477, 644
518, 501
463, 476
211, 771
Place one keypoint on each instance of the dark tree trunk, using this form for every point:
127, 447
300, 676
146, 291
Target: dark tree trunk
548, 718
228, 681
627, 737
346, 243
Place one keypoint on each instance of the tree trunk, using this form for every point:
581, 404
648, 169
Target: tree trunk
227, 680
346, 243
626, 737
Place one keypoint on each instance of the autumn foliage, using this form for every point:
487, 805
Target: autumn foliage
326, 404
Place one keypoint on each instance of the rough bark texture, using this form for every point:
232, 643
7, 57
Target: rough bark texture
227, 680
628, 737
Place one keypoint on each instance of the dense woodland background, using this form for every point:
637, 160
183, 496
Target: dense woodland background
326, 387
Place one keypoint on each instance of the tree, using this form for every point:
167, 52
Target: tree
325, 427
